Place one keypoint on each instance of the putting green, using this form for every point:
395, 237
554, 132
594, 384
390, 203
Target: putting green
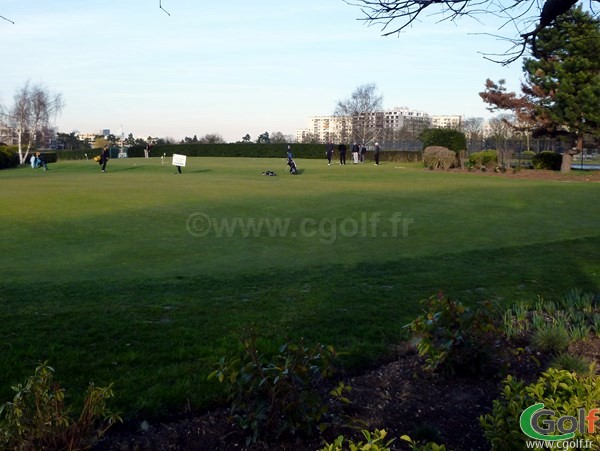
222, 216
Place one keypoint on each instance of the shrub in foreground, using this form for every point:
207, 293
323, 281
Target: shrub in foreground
550, 338
280, 396
560, 391
486, 159
39, 419
454, 338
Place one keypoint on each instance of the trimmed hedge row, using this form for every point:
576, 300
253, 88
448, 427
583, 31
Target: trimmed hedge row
8, 157
248, 150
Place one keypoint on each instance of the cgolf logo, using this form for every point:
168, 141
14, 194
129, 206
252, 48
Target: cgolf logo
537, 423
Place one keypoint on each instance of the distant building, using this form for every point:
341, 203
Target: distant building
8, 135
386, 126
302, 135
453, 121
322, 128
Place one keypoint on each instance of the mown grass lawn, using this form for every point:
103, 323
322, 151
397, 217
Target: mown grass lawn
117, 277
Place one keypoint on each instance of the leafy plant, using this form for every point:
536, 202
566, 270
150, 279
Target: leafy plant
375, 441
559, 390
580, 332
279, 396
550, 338
573, 363
575, 299
596, 324
38, 418
453, 337
418, 446
484, 159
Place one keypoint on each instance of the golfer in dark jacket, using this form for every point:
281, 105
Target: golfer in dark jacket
104, 158
329, 151
342, 151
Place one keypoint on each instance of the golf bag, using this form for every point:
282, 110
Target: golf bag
292, 164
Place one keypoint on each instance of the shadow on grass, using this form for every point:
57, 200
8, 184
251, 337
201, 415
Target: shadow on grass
124, 327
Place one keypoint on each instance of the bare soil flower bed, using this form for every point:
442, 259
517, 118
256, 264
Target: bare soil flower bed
397, 396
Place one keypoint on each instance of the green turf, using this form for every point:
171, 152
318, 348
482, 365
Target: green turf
107, 276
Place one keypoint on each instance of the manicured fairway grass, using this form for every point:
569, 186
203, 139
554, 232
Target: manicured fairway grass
115, 277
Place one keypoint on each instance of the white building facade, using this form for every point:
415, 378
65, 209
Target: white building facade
453, 121
382, 126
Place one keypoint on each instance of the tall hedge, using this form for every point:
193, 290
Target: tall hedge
248, 150
8, 157
444, 137
547, 160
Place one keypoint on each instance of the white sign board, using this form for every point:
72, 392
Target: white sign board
179, 160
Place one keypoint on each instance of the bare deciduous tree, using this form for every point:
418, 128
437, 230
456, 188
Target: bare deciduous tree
473, 130
212, 138
363, 110
501, 129
527, 17
280, 138
32, 110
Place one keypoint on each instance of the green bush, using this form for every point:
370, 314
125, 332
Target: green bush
49, 156
38, 418
454, 338
547, 160
282, 396
8, 157
485, 159
445, 137
573, 364
559, 390
439, 157
550, 338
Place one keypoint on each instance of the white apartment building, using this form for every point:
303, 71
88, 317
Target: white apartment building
453, 121
7, 135
336, 128
323, 128
401, 116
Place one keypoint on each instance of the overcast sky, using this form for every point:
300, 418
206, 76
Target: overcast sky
234, 67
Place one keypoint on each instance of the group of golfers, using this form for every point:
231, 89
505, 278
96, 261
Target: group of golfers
358, 152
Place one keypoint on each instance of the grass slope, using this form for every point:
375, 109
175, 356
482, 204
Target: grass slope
106, 276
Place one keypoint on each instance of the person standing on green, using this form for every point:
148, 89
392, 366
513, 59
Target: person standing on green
342, 151
377, 150
104, 156
329, 151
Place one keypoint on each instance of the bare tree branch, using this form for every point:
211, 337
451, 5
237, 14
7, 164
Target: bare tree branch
160, 6
528, 17
8, 20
